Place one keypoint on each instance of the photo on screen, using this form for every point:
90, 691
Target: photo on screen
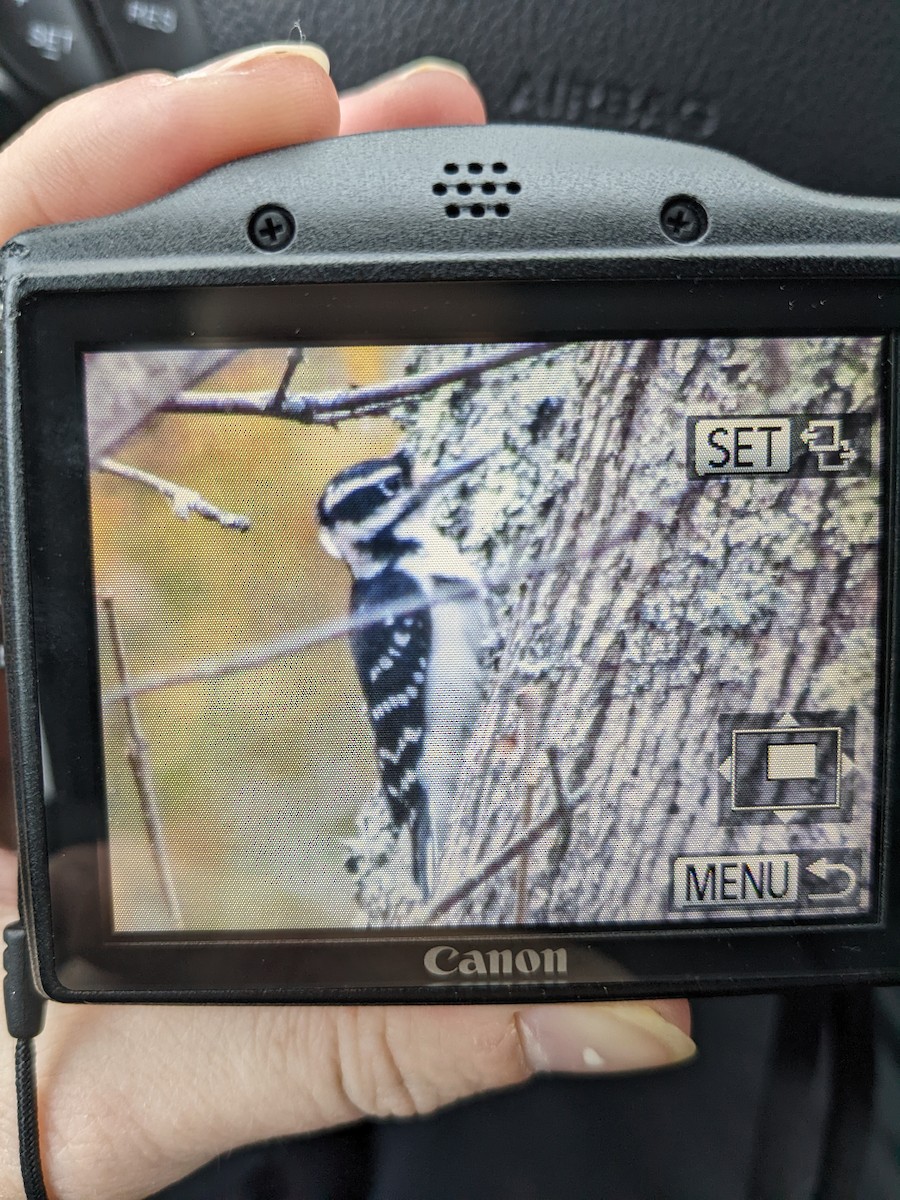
546, 634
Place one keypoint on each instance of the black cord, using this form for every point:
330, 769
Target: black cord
29, 1140
24, 1020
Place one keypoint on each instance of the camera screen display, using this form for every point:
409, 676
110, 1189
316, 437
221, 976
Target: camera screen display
546, 634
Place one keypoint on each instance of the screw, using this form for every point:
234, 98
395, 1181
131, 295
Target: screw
683, 219
271, 228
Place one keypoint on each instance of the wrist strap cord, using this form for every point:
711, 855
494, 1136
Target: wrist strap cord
24, 1020
29, 1142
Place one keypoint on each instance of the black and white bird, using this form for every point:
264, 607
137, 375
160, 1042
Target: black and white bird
419, 657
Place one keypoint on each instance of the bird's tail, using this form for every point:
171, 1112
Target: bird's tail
423, 852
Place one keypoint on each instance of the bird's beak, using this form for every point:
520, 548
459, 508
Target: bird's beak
425, 488
329, 545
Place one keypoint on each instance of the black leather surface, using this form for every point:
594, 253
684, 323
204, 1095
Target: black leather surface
809, 89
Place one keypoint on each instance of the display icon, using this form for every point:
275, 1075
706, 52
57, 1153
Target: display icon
824, 438
735, 880
796, 760
819, 445
785, 767
812, 880
742, 446
831, 876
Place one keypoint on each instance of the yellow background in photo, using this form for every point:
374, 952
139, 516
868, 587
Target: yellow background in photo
258, 774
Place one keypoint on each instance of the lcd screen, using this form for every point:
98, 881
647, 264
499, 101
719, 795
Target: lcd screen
579, 634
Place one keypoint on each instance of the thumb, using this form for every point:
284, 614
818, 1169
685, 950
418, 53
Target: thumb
135, 1098
403, 1061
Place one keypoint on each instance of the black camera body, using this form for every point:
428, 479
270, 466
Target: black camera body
456, 564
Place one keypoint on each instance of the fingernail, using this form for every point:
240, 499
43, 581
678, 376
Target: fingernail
247, 60
591, 1039
419, 67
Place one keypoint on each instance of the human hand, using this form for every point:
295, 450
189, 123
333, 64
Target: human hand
133, 1097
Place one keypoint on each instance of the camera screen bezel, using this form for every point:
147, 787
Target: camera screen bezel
49, 559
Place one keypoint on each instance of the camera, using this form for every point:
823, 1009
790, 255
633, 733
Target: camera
456, 564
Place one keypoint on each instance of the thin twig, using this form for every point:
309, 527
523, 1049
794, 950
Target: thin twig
564, 804
253, 657
297, 641
183, 500
139, 761
294, 359
376, 400
521, 845
528, 702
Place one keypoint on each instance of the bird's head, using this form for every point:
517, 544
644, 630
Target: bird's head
368, 508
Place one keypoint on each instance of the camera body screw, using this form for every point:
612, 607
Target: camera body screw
683, 219
271, 228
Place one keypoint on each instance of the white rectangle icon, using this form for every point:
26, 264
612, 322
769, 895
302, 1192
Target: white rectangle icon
742, 446
735, 880
792, 761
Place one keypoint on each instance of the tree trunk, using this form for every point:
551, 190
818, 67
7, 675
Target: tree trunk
636, 607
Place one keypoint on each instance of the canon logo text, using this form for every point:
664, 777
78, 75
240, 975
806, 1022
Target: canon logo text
444, 961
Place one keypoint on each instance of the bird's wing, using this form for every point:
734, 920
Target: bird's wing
392, 663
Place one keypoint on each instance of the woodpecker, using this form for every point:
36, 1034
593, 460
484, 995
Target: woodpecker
419, 658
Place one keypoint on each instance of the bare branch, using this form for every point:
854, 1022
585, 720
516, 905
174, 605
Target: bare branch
139, 761
369, 401
565, 804
183, 500
560, 813
293, 361
528, 700
296, 641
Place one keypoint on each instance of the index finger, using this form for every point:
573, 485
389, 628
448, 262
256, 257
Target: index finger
130, 141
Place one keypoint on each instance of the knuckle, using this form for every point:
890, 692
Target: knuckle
371, 1072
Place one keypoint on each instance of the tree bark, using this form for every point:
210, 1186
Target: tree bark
637, 606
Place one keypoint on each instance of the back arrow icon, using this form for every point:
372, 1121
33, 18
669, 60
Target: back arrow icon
823, 869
